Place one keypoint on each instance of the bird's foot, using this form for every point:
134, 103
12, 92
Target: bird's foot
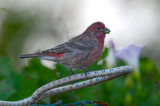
72, 73
86, 71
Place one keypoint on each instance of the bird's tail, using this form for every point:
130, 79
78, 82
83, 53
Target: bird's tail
30, 55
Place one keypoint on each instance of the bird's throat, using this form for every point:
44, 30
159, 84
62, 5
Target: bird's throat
101, 42
101, 39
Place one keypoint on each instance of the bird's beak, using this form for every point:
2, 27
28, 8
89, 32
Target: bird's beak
106, 31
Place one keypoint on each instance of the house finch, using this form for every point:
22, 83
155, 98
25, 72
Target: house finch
79, 52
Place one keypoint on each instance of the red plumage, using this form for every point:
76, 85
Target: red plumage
55, 54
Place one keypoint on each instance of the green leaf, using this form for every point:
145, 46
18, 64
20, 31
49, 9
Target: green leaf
37, 71
28, 86
5, 90
2, 77
11, 80
104, 54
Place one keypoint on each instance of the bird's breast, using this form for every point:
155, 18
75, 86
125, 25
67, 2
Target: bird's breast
94, 55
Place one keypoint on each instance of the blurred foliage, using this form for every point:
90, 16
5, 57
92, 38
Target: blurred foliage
120, 91
15, 28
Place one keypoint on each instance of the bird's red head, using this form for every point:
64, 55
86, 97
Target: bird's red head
96, 29
97, 32
96, 25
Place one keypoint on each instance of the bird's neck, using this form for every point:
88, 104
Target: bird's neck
101, 39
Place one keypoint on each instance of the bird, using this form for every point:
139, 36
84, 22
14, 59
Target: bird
80, 51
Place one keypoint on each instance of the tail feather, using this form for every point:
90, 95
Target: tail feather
30, 55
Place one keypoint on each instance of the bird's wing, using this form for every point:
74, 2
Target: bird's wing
69, 46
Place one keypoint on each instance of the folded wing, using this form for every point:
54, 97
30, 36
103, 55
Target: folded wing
70, 46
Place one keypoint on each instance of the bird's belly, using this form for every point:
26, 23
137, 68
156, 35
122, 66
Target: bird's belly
92, 58
74, 59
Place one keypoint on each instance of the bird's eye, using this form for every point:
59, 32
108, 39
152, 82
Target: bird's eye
99, 28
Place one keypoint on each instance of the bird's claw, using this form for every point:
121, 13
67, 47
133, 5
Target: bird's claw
86, 74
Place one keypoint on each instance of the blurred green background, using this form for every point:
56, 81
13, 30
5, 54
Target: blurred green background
29, 27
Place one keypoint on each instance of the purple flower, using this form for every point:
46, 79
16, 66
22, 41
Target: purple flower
130, 55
